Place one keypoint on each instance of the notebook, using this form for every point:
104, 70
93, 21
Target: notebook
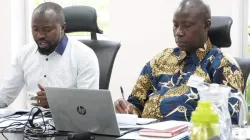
167, 133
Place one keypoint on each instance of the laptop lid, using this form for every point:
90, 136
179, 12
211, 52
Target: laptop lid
81, 110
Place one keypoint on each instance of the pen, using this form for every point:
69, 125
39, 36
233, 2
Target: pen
122, 92
123, 95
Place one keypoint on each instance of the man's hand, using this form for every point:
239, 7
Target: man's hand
122, 106
41, 98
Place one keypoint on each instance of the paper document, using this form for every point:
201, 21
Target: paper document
126, 119
135, 135
139, 124
241, 133
8, 112
143, 121
157, 126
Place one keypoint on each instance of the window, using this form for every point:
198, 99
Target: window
248, 27
248, 80
101, 6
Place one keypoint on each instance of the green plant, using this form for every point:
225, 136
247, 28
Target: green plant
101, 6
249, 30
249, 37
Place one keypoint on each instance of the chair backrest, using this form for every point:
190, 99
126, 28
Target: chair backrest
219, 34
84, 19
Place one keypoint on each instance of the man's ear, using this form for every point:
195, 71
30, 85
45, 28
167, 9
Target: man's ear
207, 24
64, 27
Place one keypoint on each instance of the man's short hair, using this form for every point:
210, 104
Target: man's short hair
205, 11
42, 8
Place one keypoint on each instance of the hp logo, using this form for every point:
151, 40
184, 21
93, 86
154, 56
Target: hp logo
81, 110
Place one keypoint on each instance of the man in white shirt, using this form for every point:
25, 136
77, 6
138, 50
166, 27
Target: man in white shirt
52, 60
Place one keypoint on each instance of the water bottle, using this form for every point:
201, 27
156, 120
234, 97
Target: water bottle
205, 122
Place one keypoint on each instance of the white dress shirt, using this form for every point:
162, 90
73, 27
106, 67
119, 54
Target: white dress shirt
71, 65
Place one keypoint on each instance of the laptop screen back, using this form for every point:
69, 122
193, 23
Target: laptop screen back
81, 110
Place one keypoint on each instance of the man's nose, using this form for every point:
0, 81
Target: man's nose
179, 32
41, 35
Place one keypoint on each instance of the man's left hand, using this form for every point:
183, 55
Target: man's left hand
41, 98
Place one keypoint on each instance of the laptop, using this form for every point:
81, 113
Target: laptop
80, 110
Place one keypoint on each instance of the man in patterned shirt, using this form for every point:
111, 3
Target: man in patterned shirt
161, 91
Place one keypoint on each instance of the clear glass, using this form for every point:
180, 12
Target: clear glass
218, 96
202, 131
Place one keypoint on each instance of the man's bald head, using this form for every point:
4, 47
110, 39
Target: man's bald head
191, 24
52, 9
48, 26
201, 5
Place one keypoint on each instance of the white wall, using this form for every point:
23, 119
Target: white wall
12, 38
5, 38
145, 29
245, 23
18, 40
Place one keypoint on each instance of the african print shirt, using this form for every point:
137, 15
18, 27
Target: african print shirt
161, 91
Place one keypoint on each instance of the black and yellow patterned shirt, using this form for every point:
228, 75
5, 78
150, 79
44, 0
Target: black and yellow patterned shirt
161, 91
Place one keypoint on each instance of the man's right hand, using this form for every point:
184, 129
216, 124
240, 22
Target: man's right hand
124, 107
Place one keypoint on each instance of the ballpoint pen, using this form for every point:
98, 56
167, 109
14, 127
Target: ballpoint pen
122, 92
123, 95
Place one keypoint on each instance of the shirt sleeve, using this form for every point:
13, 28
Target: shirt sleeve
13, 84
230, 75
88, 71
142, 90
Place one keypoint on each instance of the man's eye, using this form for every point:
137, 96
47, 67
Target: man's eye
35, 30
176, 25
187, 25
47, 29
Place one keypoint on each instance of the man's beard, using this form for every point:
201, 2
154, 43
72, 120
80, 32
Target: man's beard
48, 50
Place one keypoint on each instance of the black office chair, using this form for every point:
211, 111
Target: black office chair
84, 19
219, 34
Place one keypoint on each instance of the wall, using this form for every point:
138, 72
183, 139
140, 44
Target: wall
5, 57
18, 40
12, 38
142, 27
245, 23
145, 28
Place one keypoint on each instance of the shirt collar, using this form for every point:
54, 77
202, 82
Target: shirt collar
199, 54
62, 46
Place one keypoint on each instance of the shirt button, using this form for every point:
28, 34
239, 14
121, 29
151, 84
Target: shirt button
47, 59
44, 76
